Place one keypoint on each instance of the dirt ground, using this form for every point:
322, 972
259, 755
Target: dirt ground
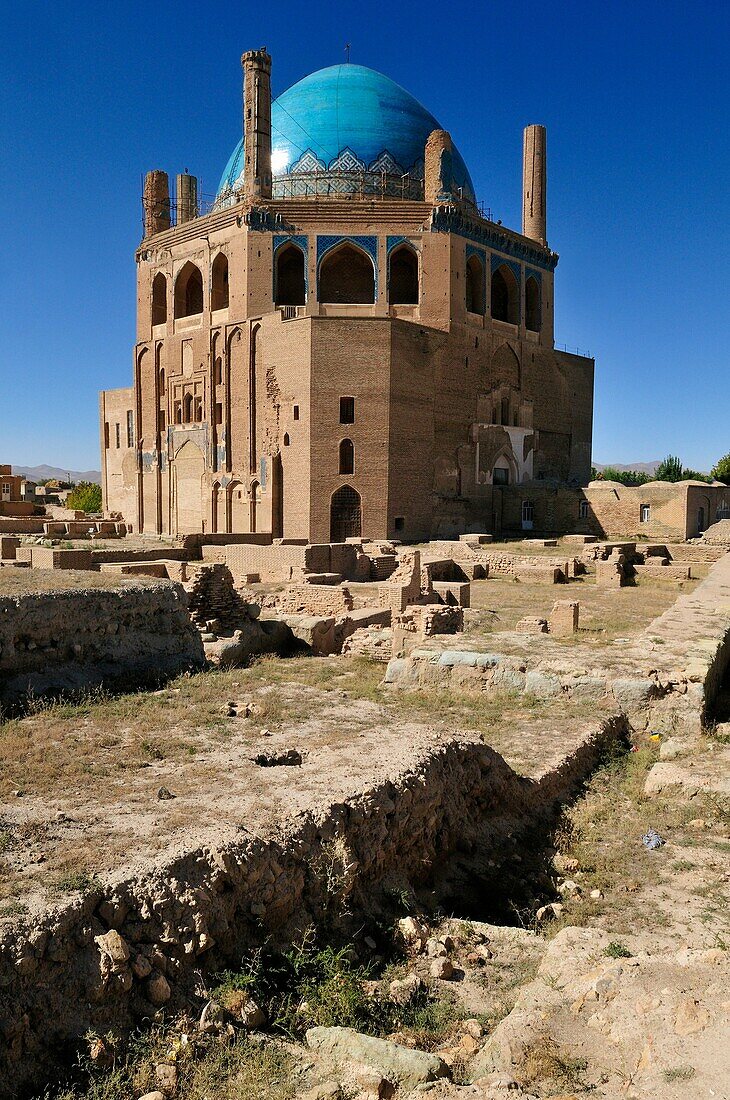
79, 782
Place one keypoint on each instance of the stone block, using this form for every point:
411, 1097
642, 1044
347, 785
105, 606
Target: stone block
564, 618
49, 557
476, 539
531, 625
8, 547
456, 593
610, 574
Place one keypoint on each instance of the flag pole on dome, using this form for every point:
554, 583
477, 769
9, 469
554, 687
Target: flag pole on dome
347, 52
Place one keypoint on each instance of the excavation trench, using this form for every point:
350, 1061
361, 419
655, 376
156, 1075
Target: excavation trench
455, 826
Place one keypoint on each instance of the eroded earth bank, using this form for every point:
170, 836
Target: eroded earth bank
306, 878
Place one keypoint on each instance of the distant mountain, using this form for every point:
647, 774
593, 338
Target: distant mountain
642, 467
44, 473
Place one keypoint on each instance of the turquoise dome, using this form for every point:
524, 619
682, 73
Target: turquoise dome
346, 120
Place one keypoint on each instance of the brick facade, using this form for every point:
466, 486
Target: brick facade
237, 398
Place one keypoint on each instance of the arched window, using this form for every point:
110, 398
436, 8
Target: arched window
347, 456
403, 277
162, 381
218, 370
188, 291
347, 276
289, 283
474, 285
187, 408
504, 410
505, 296
532, 304
198, 409
528, 515
159, 299
219, 283
178, 413
345, 514
286, 439
501, 472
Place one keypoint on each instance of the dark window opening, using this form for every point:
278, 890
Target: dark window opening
500, 476
189, 292
347, 276
505, 296
532, 305
347, 410
399, 523
347, 457
159, 299
290, 283
296, 412
219, 283
286, 439
474, 285
403, 282
130, 428
188, 408
218, 371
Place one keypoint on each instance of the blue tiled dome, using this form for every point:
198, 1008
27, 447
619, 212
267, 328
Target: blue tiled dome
346, 119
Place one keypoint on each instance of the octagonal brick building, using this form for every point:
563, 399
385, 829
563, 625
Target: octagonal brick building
343, 345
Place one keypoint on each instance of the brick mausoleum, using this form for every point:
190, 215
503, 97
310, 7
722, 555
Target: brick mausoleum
344, 344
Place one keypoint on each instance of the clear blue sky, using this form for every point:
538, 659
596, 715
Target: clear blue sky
634, 95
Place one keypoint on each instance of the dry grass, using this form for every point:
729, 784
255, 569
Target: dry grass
24, 582
605, 614
603, 832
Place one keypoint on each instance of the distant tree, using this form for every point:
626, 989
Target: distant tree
85, 497
721, 470
695, 475
669, 470
594, 474
625, 477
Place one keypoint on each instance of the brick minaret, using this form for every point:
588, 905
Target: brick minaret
437, 167
156, 203
534, 184
257, 124
187, 198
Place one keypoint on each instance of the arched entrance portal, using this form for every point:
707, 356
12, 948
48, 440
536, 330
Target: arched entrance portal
187, 486
345, 514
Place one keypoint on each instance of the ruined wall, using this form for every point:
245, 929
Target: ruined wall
206, 906
60, 641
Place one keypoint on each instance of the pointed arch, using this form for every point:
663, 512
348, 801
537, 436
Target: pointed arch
188, 291
505, 295
474, 285
347, 457
403, 276
347, 276
187, 409
533, 305
159, 299
345, 514
219, 296
505, 368
289, 276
